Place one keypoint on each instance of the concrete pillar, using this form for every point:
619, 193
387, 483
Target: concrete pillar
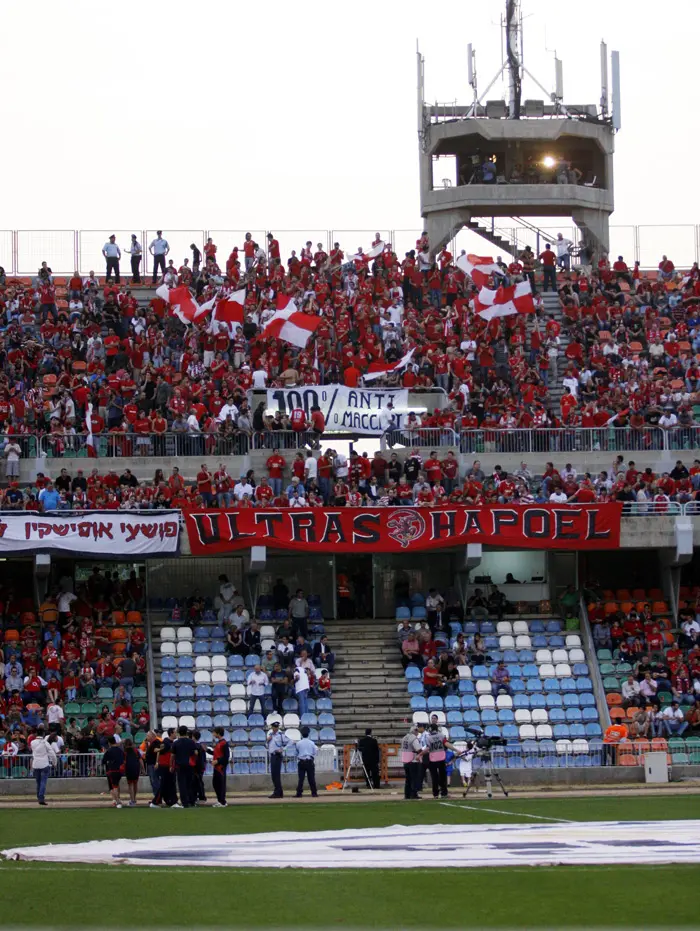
595, 226
443, 226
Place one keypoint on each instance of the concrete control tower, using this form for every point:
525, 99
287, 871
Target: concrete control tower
518, 158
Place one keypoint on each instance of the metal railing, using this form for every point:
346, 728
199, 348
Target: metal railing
285, 439
578, 439
83, 765
23, 251
421, 438
136, 445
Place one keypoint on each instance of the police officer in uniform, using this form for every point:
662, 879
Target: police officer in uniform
306, 767
411, 750
276, 742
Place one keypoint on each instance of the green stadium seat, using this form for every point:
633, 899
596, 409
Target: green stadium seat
139, 692
71, 707
607, 669
105, 694
604, 656
88, 707
610, 684
679, 758
665, 698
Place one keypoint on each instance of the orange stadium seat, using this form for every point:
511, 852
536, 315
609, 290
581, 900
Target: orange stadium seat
134, 618
617, 714
613, 698
627, 759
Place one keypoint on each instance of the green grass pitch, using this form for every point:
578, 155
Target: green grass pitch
524, 897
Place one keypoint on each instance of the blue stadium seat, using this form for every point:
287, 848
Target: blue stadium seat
492, 730
556, 642
452, 701
469, 702
412, 672
403, 614
534, 685
168, 677
201, 647
290, 705
589, 715
235, 660
323, 704
185, 677
185, 662
239, 736
553, 627
202, 691
536, 627
201, 633
573, 716
169, 707
580, 669
471, 718
418, 703
327, 735
479, 672
185, 691
593, 730
488, 627
584, 684
417, 598
258, 734
577, 730
571, 700
488, 716
491, 643
561, 732
186, 707
435, 703
466, 687
257, 720
219, 691
204, 720
557, 716
168, 662
521, 701
539, 643
553, 700
552, 685
505, 716
169, 691
239, 720
471, 628
454, 717
235, 675
538, 700
221, 705
517, 686
326, 719
510, 731
586, 700
526, 656
203, 706
415, 687
252, 660
568, 684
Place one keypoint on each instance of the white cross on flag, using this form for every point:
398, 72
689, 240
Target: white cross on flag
517, 299
183, 305
479, 268
290, 324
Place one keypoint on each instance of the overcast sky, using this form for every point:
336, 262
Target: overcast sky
292, 116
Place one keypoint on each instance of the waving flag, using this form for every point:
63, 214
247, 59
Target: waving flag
183, 305
231, 311
291, 324
505, 301
479, 268
378, 369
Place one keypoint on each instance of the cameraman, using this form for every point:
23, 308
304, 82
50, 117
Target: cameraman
369, 749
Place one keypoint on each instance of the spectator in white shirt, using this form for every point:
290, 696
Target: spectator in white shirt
242, 488
310, 468
159, 248
112, 254
257, 683
630, 691
228, 410
558, 497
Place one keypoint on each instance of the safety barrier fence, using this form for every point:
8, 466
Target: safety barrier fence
677, 440
76, 765
23, 251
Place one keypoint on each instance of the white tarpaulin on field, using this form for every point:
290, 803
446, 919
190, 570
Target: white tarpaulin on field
439, 845
103, 533
353, 410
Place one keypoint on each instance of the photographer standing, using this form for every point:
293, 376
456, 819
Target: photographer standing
43, 758
411, 754
435, 748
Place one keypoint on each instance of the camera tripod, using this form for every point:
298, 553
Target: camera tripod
355, 760
489, 774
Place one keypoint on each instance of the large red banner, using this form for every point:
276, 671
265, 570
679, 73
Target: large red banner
399, 530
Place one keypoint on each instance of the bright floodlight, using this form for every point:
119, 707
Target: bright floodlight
548, 161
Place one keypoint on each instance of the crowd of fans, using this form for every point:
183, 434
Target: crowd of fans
314, 479
657, 689
81, 358
77, 667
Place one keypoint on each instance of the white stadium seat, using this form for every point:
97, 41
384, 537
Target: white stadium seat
184, 633
202, 662
184, 648
168, 633
202, 677
562, 671
546, 671
167, 648
543, 656
573, 640
523, 716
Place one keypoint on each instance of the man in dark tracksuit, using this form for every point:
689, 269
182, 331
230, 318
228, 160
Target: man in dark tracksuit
167, 793
199, 768
369, 749
221, 758
185, 754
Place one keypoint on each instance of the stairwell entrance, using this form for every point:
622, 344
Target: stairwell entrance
354, 584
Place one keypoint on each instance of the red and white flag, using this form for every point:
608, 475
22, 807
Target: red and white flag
231, 312
517, 299
378, 369
290, 324
479, 268
183, 305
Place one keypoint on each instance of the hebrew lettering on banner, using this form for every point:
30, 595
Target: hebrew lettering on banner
107, 534
404, 529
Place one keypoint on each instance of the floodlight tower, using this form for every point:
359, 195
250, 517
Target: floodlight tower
518, 158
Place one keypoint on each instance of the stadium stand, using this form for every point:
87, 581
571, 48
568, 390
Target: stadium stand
520, 679
209, 655
650, 668
96, 368
76, 665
